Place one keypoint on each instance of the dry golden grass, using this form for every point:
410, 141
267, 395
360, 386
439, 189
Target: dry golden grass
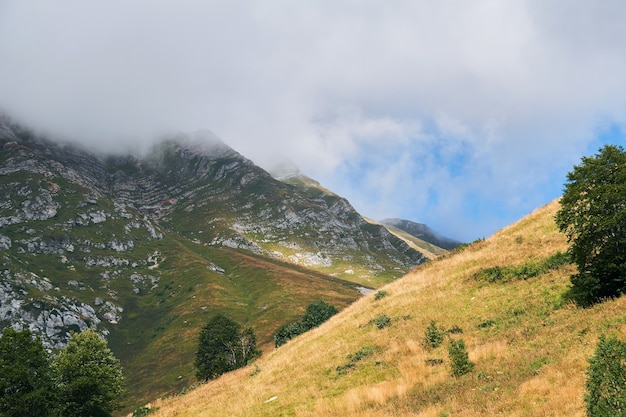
530, 348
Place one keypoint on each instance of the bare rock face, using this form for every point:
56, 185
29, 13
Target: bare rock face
78, 231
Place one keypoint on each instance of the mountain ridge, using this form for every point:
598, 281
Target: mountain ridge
144, 248
422, 231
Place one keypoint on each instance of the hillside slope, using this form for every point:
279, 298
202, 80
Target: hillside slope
529, 346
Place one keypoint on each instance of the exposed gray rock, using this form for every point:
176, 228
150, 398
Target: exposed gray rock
5, 242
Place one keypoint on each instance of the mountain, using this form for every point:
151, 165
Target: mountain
529, 345
145, 248
423, 232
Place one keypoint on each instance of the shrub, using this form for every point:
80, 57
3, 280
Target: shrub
460, 362
433, 336
558, 260
522, 272
143, 411
455, 330
382, 321
606, 379
357, 356
485, 324
380, 294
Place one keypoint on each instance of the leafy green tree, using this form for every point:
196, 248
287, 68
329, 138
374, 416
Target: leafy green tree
247, 348
26, 387
317, 313
223, 347
606, 379
593, 217
88, 376
288, 332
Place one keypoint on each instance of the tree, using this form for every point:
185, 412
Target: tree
287, 332
26, 387
248, 351
88, 376
317, 313
223, 347
606, 379
593, 217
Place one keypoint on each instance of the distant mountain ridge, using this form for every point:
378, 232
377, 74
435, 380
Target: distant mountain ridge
423, 232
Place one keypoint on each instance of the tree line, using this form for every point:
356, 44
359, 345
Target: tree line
224, 346
83, 379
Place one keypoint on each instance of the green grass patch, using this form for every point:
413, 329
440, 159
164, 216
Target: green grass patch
503, 274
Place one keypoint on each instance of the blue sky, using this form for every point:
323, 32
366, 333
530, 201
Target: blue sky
465, 115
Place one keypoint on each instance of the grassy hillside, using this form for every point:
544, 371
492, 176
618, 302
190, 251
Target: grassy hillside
157, 338
529, 346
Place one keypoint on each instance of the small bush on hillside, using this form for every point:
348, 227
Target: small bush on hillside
460, 362
455, 330
558, 260
143, 411
357, 356
380, 294
382, 321
522, 272
485, 324
433, 336
606, 379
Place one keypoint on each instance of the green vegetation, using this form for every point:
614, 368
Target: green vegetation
382, 321
223, 347
88, 377
380, 294
316, 314
525, 271
84, 379
531, 360
25, 376
606, 379
434, 335
592, 216
354, 358
143, 411
459, 358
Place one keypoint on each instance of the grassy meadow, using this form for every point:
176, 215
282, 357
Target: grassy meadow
529, 344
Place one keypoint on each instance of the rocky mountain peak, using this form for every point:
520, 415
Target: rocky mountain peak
81, 235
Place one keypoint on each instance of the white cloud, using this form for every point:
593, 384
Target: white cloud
467, 104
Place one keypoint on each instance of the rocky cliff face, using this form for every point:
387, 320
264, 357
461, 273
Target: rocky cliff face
80, 234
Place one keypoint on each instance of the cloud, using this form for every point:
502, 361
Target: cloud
465, 115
